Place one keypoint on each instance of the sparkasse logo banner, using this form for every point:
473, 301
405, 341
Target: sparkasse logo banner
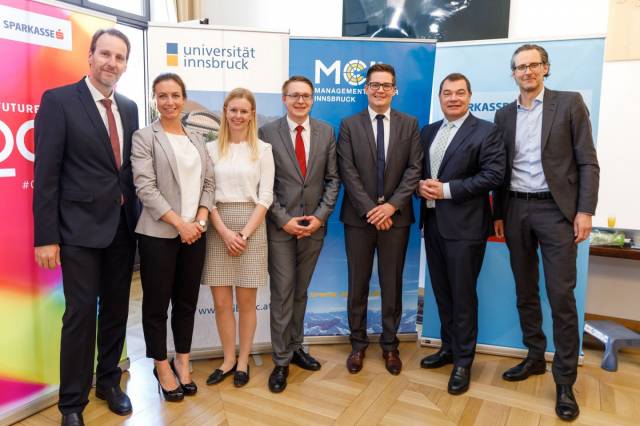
35, 28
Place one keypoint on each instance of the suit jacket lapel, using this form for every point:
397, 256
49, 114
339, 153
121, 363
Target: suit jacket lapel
548, 113
313, 146
457, 140
394, 137
164, 143
285, 139
511, 119
367, 127
126, 130
94, 117
431, 136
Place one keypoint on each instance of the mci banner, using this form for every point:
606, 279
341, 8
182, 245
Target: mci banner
212, 62
43, 46
338, 68
576, 65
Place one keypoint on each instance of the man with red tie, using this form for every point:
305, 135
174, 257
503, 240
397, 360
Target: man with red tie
305, 191
85, 211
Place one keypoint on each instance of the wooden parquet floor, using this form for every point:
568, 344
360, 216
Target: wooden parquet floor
415, 397
333, 396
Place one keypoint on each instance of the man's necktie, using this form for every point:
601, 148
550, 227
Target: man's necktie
437, 153
300, 155
113, 132
380, 162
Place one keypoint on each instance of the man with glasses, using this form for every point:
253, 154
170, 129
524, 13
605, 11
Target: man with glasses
548, 197
380, 161
464, 160
85, 210
305, 190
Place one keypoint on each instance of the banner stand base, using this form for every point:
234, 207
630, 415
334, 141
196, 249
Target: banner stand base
495, 350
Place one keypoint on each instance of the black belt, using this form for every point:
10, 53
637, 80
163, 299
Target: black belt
531, 195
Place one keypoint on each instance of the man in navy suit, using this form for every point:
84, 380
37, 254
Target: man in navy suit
463, 160
85, 212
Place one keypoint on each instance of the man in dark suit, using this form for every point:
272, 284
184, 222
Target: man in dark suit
464, 160
85, 212
380, 162
549, 194
305, 191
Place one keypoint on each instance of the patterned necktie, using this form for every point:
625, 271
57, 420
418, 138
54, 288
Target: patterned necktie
436, 155
300, 154
113, 132
380, 156
439, 148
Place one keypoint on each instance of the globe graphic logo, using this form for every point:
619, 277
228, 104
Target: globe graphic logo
353, 72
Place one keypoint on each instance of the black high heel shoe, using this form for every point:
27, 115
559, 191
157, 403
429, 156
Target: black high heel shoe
240, 378
188, 388
175, 395
218, 375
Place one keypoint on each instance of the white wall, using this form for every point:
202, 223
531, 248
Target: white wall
302, 17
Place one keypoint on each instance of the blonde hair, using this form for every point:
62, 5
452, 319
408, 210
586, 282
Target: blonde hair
252, 131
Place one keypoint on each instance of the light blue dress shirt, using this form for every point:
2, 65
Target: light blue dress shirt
527, 174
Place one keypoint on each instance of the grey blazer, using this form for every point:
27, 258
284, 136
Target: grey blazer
569, 156
316, 194
358, 170
155, 175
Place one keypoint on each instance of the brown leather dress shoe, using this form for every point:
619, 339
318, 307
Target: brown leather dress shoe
392, 362
354, 361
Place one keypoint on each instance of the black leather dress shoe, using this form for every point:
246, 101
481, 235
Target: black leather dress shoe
72, 419
240, 378
525, 369
459, 380
305, 361
218, 375
117, 400
278, 378
437, 360
566, 405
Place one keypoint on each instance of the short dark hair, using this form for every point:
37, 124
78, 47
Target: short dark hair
544, 56
169, 76
455, 76
299, 78
381, 68
113, 32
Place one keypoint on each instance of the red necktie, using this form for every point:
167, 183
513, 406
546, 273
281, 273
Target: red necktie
300, 155
113, 131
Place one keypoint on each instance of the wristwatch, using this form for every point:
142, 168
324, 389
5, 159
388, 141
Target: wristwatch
244, 237
203, 224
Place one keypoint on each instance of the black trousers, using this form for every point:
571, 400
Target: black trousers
454, 266
94, 278
391, 248
170, 271
529, 223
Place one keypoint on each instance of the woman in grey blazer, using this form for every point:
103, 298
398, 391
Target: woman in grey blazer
173, 175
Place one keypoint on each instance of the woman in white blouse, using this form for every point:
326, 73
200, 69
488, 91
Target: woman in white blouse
237, 247
173, 175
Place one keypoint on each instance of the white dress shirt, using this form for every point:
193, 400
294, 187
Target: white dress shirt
306, 136
189, 174
239, 179
97, 98
386, 123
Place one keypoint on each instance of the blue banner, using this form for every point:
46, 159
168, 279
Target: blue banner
576, 65
338, 68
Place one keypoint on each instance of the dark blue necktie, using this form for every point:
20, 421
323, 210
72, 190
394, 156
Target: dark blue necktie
380, 162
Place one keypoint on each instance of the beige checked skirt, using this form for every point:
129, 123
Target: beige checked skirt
248, 270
